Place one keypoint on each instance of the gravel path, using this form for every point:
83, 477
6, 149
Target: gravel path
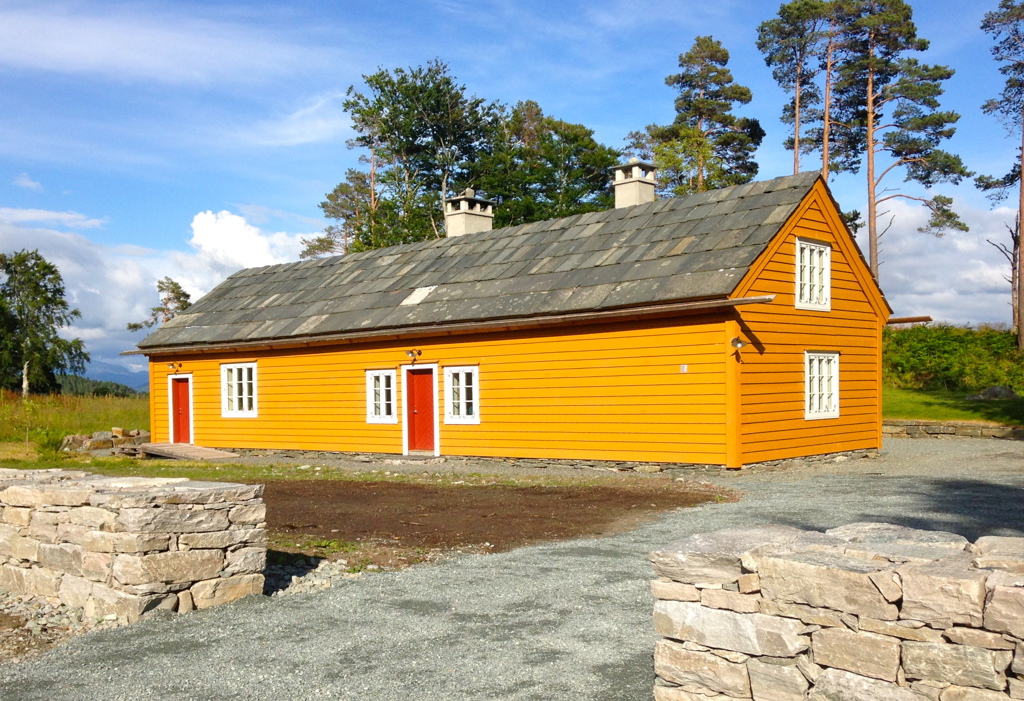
560, 621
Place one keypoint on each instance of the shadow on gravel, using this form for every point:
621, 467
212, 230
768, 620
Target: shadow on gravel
972, 508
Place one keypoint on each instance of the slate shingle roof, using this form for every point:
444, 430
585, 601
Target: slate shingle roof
685, 248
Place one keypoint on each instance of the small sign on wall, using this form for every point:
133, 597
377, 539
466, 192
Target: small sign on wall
684, 368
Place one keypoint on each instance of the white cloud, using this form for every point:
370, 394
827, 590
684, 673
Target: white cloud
957, 278
28, 183
227, 241
72, 220
122, 42
114, 285
322, 120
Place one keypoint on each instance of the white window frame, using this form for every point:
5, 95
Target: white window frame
821, 385
813, 260
457, 408
376, 413
225, 398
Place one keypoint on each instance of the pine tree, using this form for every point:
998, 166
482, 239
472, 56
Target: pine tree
890, 103
792, 44
1006, 26
707, 146
173, 300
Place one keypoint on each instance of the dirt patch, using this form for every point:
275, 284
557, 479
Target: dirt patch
390, 524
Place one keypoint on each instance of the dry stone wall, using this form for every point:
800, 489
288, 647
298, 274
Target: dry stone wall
918, 428
865, 612
122, 546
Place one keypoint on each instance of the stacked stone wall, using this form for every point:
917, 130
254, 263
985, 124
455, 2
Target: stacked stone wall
919, 428
865, 612
122, 546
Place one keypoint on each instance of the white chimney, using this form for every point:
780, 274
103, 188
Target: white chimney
634, 183
467, 214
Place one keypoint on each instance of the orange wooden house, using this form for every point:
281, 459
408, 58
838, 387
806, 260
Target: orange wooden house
729, 327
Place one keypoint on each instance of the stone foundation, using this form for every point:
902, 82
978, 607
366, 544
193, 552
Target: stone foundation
915, 428
865, 612
122, 546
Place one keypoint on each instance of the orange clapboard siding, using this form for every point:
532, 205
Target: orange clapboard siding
773, 424
669, 390
605, 392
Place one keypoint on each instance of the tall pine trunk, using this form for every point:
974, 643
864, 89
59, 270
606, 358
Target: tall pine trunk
1017, 273
826, 117
796, 118
872, 185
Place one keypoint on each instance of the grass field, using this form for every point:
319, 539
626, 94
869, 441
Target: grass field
940, 405
45, 419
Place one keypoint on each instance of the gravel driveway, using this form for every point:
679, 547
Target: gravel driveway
561, 621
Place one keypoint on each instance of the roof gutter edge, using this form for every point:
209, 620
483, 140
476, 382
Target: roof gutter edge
462, 327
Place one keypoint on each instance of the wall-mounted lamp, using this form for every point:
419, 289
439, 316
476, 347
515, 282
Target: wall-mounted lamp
739, 343
174, 367
413, 353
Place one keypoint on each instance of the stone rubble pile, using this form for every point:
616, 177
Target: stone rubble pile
865, 612
121, 546
297, 578
103, 440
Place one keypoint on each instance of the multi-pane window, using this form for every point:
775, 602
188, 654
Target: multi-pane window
380, 397
461, 395
238, 389
821, 376
813, 275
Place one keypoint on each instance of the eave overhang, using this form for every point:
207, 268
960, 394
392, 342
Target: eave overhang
653, 311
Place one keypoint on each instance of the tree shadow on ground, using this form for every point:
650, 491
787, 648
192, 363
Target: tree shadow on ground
972, 508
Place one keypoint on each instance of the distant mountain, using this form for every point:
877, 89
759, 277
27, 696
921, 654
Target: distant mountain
109, 372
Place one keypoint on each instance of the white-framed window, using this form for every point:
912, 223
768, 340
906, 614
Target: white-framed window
813, 275
461, 395
380, 397
238, 390
821, 383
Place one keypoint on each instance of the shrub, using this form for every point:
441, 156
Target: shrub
951, 357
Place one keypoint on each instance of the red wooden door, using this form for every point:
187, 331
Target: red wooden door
420, 409
180, 411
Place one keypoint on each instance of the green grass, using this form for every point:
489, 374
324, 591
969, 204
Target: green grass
943, 405
48, 418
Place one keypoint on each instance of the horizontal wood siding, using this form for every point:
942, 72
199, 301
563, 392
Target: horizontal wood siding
608, 392
773, 426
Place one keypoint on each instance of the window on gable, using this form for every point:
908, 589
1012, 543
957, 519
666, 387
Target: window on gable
380, 397
461, 399
821, 377
238, 390
813, 275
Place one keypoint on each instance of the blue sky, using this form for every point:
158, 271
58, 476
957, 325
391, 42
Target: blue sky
145, 139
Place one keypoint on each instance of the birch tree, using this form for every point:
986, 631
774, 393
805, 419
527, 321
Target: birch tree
32, 298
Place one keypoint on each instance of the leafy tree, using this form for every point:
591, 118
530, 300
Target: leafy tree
890, 102
35, 308
534, 166
173, 301
422, 133
791, 44
1006, 26
706, 147
540, 167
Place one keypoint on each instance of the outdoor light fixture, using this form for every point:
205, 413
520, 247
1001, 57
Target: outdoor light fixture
173, 366
738, 343
414, 353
